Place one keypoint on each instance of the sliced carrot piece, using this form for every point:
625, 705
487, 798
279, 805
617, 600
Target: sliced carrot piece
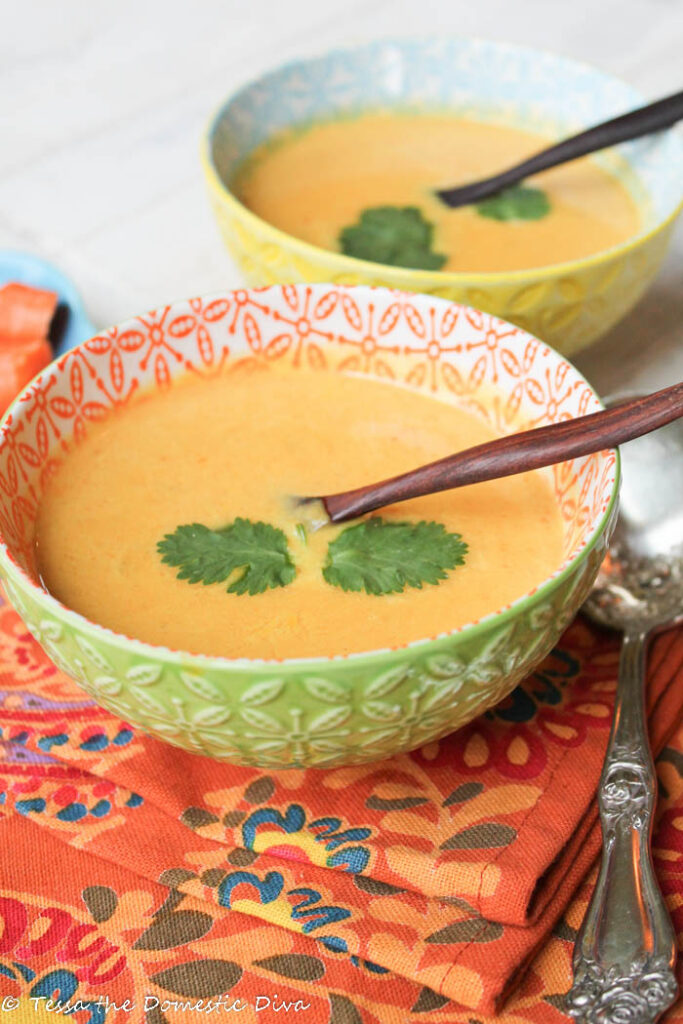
25, 317
26, 313
19, 365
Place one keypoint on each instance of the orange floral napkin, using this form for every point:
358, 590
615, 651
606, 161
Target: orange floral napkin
417, 888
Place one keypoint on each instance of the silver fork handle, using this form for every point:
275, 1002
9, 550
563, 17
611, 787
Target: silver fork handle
625, 952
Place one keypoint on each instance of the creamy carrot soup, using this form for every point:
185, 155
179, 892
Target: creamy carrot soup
314, 183
209, 451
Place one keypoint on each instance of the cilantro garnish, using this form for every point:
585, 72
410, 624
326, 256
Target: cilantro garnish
376, 555
517, 203
212, 556
384, 557
397, 235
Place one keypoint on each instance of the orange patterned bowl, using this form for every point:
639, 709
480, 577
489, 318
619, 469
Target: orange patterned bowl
307, 711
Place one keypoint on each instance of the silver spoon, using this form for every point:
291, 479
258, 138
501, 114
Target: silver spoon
625, 952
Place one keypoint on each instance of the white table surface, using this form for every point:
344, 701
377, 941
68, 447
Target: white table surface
102, 107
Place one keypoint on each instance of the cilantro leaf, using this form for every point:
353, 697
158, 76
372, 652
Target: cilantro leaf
517, 203
383, 557
397, 235
212, 556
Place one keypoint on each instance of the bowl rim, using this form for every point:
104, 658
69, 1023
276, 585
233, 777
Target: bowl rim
406, 277
11, 568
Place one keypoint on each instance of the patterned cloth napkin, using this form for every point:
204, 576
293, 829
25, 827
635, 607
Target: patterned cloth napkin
445, 885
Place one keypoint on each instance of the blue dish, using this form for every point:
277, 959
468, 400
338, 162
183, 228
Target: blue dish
25, 268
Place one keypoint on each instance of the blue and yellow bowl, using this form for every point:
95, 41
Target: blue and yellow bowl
567, 304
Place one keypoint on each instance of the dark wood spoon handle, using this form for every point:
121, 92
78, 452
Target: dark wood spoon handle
652, 118
516, 453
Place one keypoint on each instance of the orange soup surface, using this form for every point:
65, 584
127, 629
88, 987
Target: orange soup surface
314, 182
241, 445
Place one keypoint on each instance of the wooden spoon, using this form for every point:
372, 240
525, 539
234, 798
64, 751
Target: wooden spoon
651, 118
514, 453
